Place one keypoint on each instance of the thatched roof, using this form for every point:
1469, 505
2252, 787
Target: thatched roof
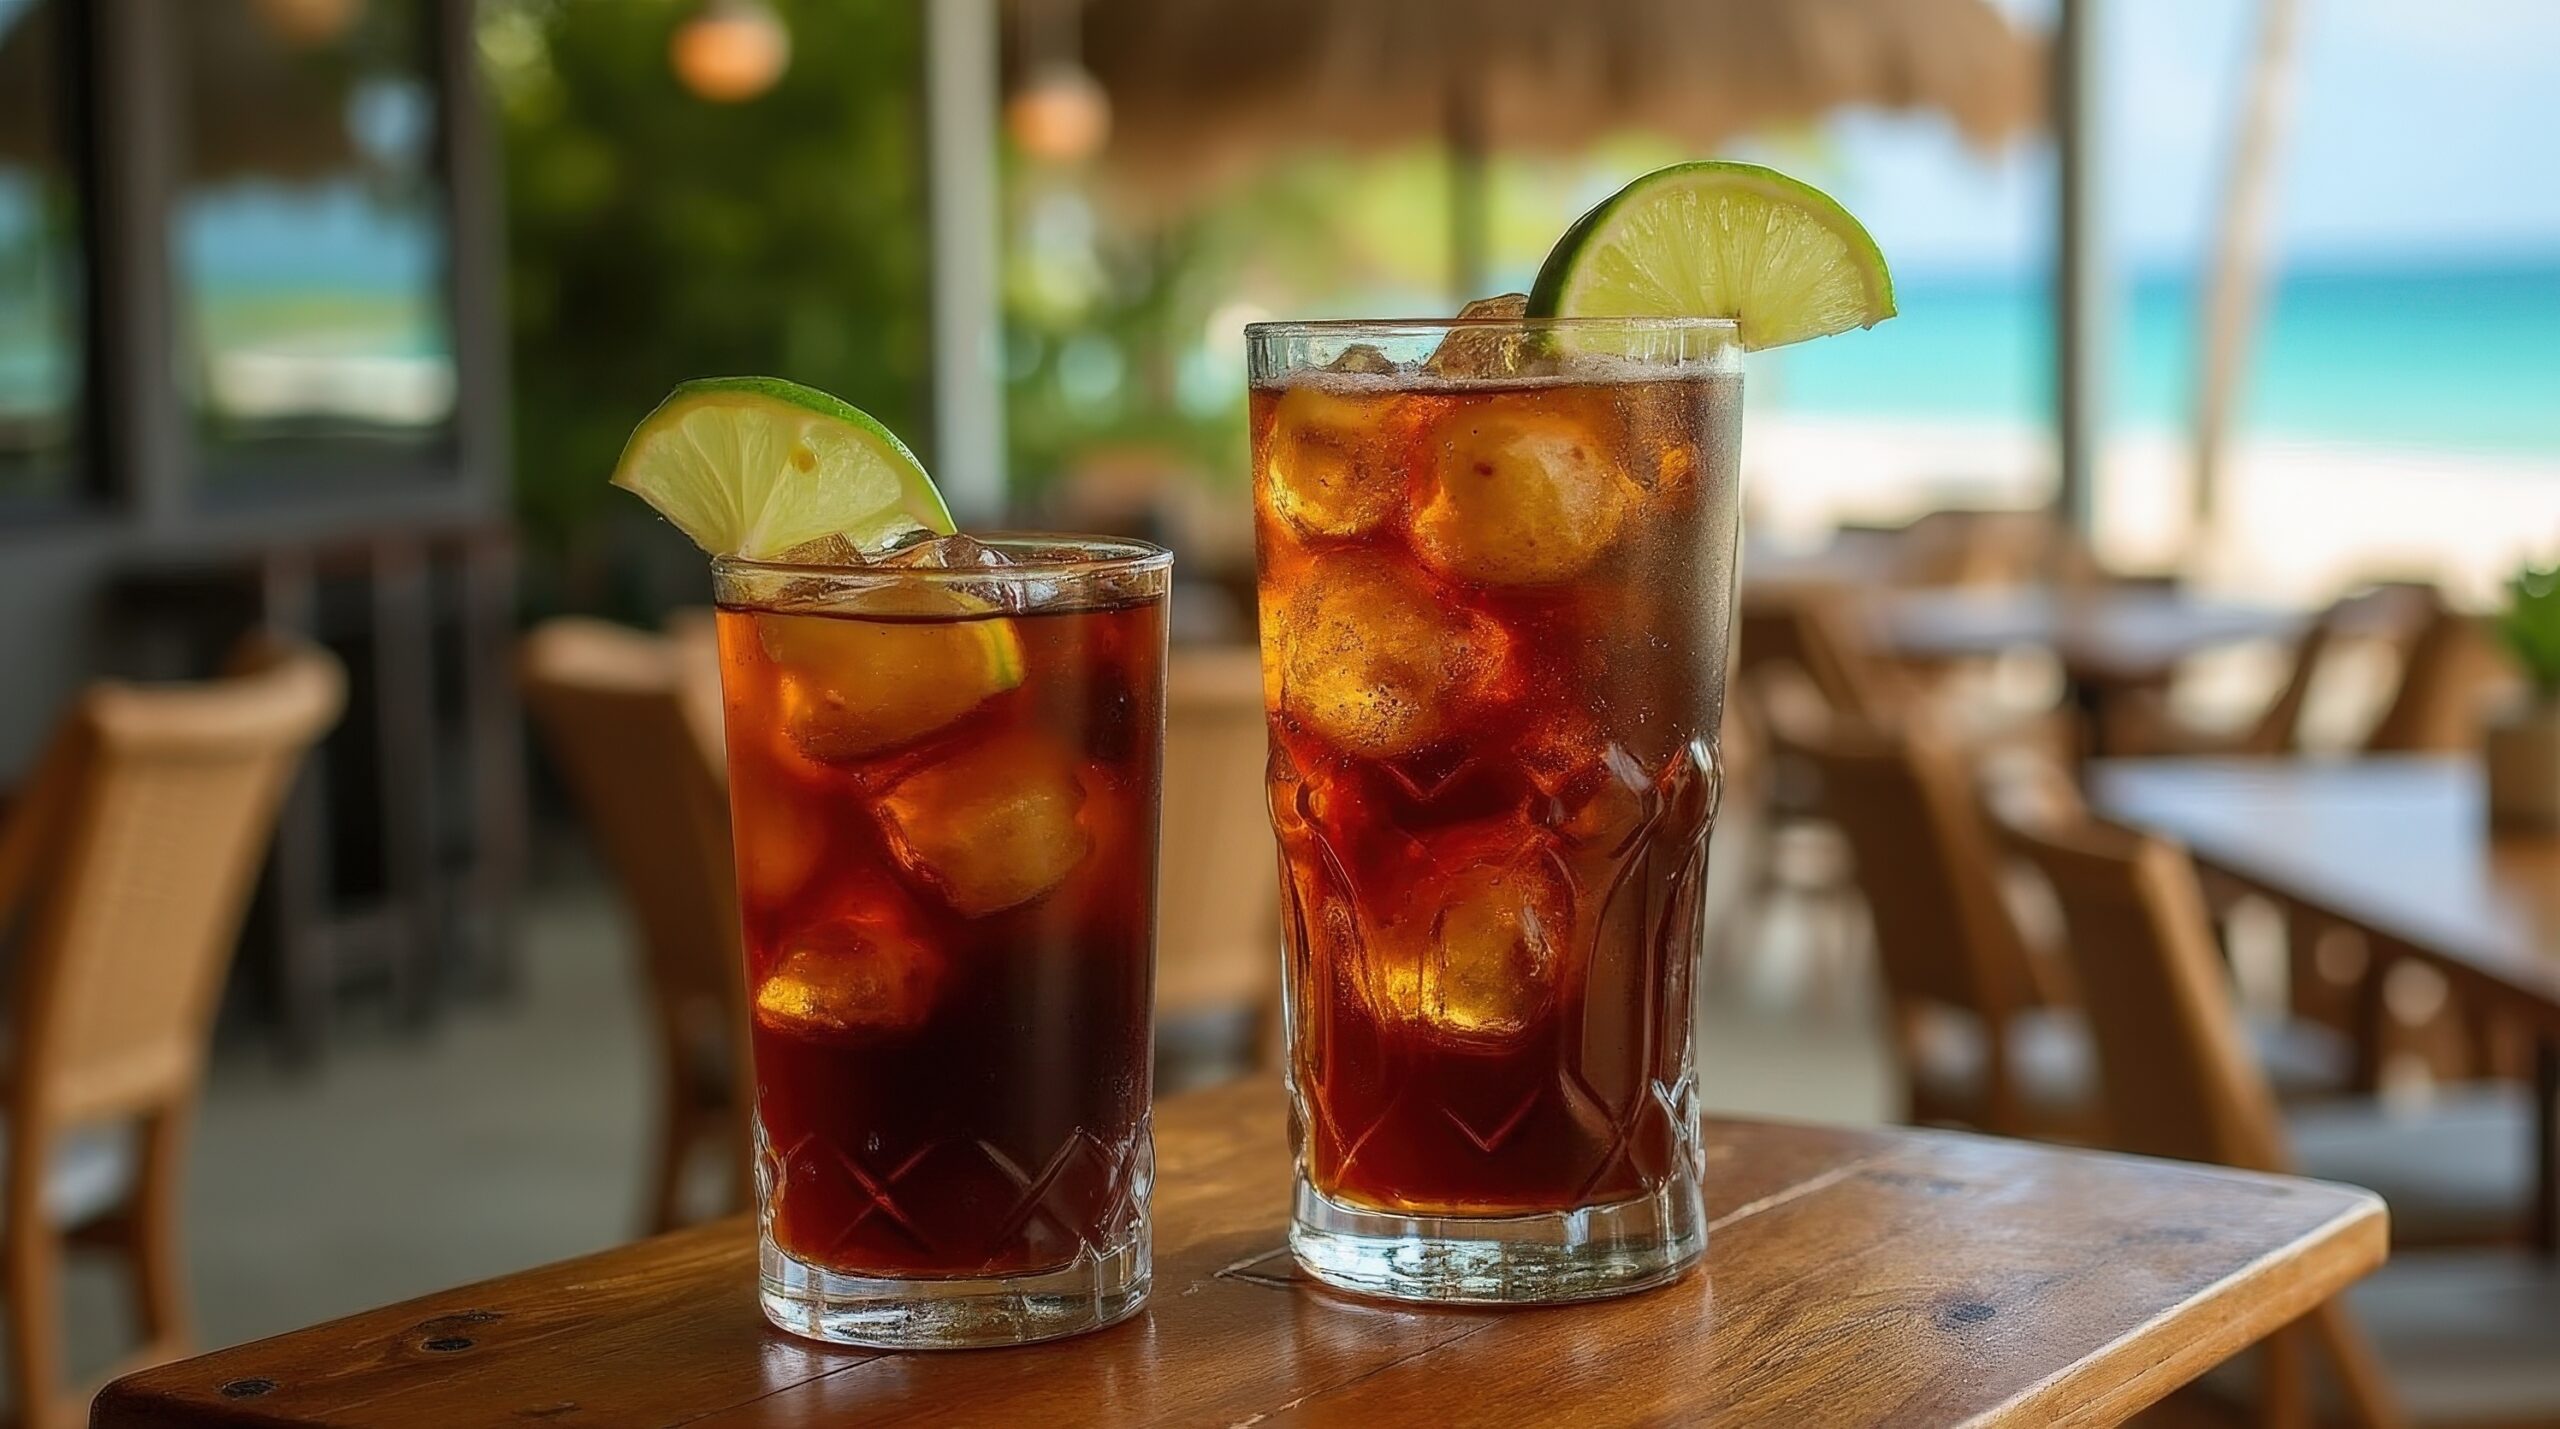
1199, 87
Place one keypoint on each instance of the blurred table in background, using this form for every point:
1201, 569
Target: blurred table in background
2128, 634
2112, 637
2112, 640
1854, 1276
2398, 848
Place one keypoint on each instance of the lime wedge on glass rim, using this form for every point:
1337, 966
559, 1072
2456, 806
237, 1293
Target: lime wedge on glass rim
765, 469
759, 467
1716, 239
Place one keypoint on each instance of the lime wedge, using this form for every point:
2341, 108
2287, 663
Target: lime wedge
1719, 240
756, 466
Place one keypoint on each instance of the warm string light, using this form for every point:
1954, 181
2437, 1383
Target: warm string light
730, 51
308, 24
1059, 114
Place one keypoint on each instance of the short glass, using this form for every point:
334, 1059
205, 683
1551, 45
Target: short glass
1496, 567
943, 786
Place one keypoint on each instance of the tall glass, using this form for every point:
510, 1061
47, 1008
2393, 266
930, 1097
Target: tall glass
1496, 570
943, 785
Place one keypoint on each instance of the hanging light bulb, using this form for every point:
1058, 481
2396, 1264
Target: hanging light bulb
308, 24
1059, 113
730, 51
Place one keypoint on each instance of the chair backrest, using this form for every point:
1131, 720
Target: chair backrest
2430, 701
2446, 669
696, 640
2278, 728
612, 707
1811, 632
1218, 891
1977, 548
135, 847
2177, 1079
1925, 862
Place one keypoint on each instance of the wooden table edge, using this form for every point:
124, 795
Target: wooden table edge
2308, 1270
2536, 1006
2348, 1247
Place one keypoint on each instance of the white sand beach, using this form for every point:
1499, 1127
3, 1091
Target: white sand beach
2298, 520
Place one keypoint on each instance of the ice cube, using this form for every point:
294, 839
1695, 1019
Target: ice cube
991, 827
1373, 657
1362, 358
1477, 950
842, 979
853, 686
1485, 351
1334, 463
781, 841
1520, 490
946, 553
826, 551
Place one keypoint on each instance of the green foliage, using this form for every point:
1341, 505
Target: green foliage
1125, 333
653, 236
2531, 626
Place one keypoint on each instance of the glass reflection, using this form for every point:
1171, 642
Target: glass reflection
40, 325
310, 239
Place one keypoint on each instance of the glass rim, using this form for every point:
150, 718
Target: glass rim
1305, 327
1073, 555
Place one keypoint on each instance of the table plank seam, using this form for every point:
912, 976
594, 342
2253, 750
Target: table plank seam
1806, 1187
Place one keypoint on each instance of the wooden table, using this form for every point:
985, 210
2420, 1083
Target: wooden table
2117, 633
2112, 640
2398, 847
1853, 1277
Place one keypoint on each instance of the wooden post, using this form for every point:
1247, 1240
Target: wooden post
960, 80
132, 134
2082, 295
2235, 280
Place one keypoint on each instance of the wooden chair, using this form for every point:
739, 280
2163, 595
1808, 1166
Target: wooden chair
1978, 548
1218, 932
1811, 634
696, 641
2445, 675
125, 868
2447, 670
2402, 615
612, 706
1973, 1014
2177, 1080
1797, 647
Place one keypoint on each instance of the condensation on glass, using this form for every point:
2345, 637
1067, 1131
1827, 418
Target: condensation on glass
1496, 568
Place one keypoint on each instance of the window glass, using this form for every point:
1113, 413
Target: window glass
310, 236
40, 306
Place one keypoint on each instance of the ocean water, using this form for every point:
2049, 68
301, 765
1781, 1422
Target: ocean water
2462, 358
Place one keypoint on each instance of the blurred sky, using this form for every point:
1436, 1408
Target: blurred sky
2425, 130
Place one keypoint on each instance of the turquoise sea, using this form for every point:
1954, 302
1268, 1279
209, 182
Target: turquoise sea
2456, 357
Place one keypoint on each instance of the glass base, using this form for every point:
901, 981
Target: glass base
1545, 1259
844, 1309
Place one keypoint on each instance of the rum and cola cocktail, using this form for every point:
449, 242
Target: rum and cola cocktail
1496, 566
943, 780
